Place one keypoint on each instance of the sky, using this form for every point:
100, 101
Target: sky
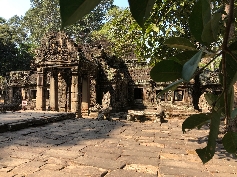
9, 8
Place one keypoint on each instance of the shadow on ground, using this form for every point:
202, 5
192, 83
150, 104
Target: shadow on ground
220, 152
63, 133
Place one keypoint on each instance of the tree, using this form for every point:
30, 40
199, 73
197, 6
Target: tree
212, 29
14, 52
123, 38
167, 19
147, 43
44, 16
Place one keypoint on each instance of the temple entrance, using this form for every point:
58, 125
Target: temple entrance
138, 93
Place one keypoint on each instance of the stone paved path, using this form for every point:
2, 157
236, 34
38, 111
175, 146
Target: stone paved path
87, 147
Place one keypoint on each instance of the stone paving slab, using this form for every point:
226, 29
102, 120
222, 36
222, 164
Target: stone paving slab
85, 170
13, 121
128, 173
88, 147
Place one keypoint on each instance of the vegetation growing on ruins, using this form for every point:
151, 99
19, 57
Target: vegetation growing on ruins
208, 32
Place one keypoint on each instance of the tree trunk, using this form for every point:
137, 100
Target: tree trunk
196, 93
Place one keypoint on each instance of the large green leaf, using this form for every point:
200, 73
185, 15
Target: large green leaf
211, 29
73, 10
208, 152
190, 66
166, 70
230, 142
183, 57
231, 78
230, 101
174, 59
141, 9
195, 120
234, 113
233, 47
210, 98
231, 71
171, 87
180, 43
216, 101
199, 17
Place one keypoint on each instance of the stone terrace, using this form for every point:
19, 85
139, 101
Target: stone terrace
88, 147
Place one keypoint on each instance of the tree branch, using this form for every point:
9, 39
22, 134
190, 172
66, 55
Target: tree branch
224, 49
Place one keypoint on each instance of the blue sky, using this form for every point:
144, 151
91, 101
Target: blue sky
9, 8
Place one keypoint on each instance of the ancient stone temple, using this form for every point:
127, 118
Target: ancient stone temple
77, 78
18, 86
63, 64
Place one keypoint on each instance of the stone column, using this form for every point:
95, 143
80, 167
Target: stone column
74, 91
10, 95
79, 95
92, 96
23, 93
69, 90
27, 94
53, 91
40, 96
85, 95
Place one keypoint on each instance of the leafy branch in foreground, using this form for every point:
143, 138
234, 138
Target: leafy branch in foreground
210, 28
205, 26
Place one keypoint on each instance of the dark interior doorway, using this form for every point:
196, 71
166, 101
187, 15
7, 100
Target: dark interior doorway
138, 93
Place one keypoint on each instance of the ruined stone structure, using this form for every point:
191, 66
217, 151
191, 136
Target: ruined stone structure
76, 78
70, 73
18, 86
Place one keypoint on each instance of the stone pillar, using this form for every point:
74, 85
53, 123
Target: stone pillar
79, 95
23, 93
85, 94
10, 95
41, 87
27, 94
53, 95
74, 92
92, 89
69, 90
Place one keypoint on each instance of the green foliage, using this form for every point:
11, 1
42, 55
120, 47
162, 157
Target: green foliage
208, 32
146, 43
190, 66
166, 70
230, 142
141, 9
180, 43
211, 29
196, 120
14, 50
44, 16
231, 71
171, 87
208, 152
122, 39
233, 47
183, 57
199, 17
233, 114
73, 10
